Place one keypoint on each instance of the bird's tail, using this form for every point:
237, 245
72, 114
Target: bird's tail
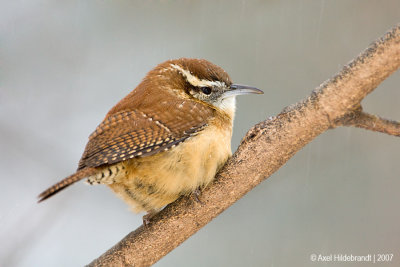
54, 189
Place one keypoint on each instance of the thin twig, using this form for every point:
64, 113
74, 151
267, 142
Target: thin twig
360, 119
265, 148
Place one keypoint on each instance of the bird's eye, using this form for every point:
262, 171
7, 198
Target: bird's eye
206, 90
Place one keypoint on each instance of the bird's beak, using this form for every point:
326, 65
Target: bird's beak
238, 89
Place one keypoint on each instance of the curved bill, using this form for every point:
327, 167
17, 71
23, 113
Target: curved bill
238, 89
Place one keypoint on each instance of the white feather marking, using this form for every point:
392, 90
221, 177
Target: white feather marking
181, 104
157, 122
165, 70
227, 104
193, 80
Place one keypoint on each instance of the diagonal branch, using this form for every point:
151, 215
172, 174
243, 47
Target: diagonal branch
265, 148
360, 119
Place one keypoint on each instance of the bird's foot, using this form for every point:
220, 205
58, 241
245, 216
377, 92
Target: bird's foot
196, 194
147, 218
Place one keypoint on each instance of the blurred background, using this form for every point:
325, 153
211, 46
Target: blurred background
64, 64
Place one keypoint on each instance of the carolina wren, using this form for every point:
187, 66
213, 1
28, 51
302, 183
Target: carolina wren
166, 138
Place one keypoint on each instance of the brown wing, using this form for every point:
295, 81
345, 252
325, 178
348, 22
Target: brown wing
135, 133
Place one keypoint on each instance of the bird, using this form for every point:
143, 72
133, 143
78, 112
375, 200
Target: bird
167, 138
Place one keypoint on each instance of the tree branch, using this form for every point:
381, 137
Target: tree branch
360, 119
264, 149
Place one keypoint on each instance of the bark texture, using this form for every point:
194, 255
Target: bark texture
264, 149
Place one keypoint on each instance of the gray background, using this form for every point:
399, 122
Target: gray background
65, 63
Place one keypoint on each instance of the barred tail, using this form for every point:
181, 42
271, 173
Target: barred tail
54, 189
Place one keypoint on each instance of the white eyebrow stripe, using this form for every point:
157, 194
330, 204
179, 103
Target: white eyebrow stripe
193, 80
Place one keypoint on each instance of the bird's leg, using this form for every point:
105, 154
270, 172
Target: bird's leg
147, 218
196, 194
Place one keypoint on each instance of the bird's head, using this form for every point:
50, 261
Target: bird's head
202, 81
